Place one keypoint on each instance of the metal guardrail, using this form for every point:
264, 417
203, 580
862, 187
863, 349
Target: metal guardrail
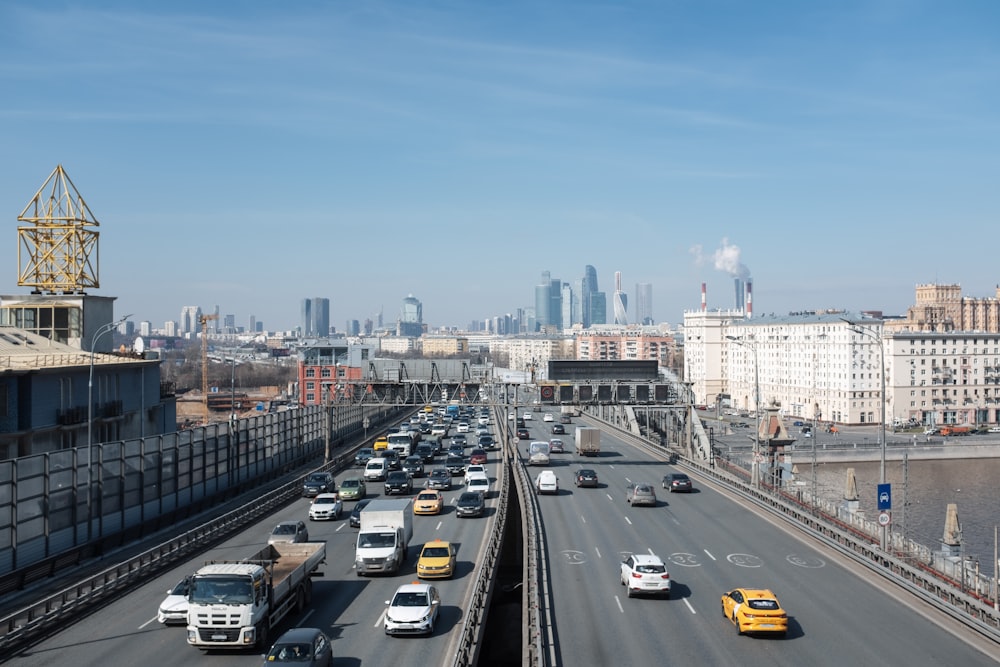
944, 594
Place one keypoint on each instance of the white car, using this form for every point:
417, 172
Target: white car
475, 470
547, 482
548, 417
478, 483
174, 609
994, 429
326, 506
484, 421
645, 574
526, 416
463, 427
413, 610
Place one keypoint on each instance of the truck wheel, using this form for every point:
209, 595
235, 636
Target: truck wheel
309, 591
300, 600
262, 635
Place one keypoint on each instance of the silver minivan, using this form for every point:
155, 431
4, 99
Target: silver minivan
376, 469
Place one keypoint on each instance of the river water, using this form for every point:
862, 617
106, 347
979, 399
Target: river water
921, 492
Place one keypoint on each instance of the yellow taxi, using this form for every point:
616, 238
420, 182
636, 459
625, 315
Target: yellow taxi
754, 610
381, 442
429, 501
437, 560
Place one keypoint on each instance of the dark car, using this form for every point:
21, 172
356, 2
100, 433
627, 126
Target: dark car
460, 439
398, 481
439, 479
677, 481
586, 477
365, 453
470, 503
519, 423
477, 455
523, 434
355, 518
391, 457
414, 466
425, 428
317, 483
565, 419
487, 442
425, 451
558, 429
303, 647
455, 464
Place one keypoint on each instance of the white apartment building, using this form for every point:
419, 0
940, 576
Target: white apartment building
828, 367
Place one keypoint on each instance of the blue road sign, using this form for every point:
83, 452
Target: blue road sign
884, 497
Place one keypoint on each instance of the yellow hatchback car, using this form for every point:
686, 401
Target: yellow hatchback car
754, 610
437, 560
429, 501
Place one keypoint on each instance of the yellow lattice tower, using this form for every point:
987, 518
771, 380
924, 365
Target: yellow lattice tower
58, 253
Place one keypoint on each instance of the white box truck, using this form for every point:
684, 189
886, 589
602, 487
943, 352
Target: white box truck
234, 604
384, 536
588, 441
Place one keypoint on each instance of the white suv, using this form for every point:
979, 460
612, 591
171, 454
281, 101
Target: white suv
645, 574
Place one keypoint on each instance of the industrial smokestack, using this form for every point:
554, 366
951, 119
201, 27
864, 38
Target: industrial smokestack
749, 299
738, 283
704, 302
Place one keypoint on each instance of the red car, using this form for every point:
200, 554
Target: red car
477, 456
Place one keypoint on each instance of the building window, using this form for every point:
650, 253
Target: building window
310, 372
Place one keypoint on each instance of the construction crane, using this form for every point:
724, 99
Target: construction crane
204, 320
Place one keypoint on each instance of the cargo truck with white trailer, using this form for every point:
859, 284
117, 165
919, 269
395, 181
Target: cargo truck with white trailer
234, 604
384, 536
588, 441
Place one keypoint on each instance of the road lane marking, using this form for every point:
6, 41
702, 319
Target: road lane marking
381, 619
689, 606
619, 603
709, 554
628, 520
147, 623
598, 552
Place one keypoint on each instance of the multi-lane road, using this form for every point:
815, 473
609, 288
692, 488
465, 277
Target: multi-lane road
347, 607
712, 543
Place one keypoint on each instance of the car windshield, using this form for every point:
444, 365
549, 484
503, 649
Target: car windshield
284, 529
317, 478
650, 569
350, 483
410, 600
220, 590
376, 540
436, 552
468, 499
290, 652
181, 588
427, 496
762, 603
326, 501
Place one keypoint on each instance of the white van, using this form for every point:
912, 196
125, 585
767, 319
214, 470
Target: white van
376, 469
538, 453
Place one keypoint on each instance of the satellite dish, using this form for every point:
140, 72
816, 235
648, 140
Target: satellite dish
139, 346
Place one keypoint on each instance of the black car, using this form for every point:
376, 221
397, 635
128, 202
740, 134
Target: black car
425, 451
302, 647
355, 518
439, 479
460, 439
317, 483
677, 481
391, 457
425, 428
398, 481
414, 466
365, 453
488, 443
455, 464
523, 434
586, 477
558, 429
470, 503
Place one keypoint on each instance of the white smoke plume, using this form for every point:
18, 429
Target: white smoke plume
726, 258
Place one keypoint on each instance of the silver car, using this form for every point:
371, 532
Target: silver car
289, 531
640, 494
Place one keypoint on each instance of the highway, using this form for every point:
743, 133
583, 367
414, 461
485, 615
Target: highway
712, 544
349, 608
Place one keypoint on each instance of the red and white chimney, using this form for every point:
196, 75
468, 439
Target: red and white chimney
704, 302
749, 299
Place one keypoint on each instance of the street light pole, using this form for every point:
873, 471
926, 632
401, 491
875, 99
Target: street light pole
90, 419
881, 468
755, 465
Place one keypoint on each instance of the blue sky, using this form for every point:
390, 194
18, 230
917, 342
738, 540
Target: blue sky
251, 154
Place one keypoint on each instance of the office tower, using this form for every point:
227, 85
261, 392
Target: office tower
171, 328
588, 286
548, 302
411, 318
190, 320
598, 308
252, 324
620, 301
230, 324
316, 317
568, 314
644, 303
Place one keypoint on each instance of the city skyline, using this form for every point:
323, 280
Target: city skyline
456, 151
